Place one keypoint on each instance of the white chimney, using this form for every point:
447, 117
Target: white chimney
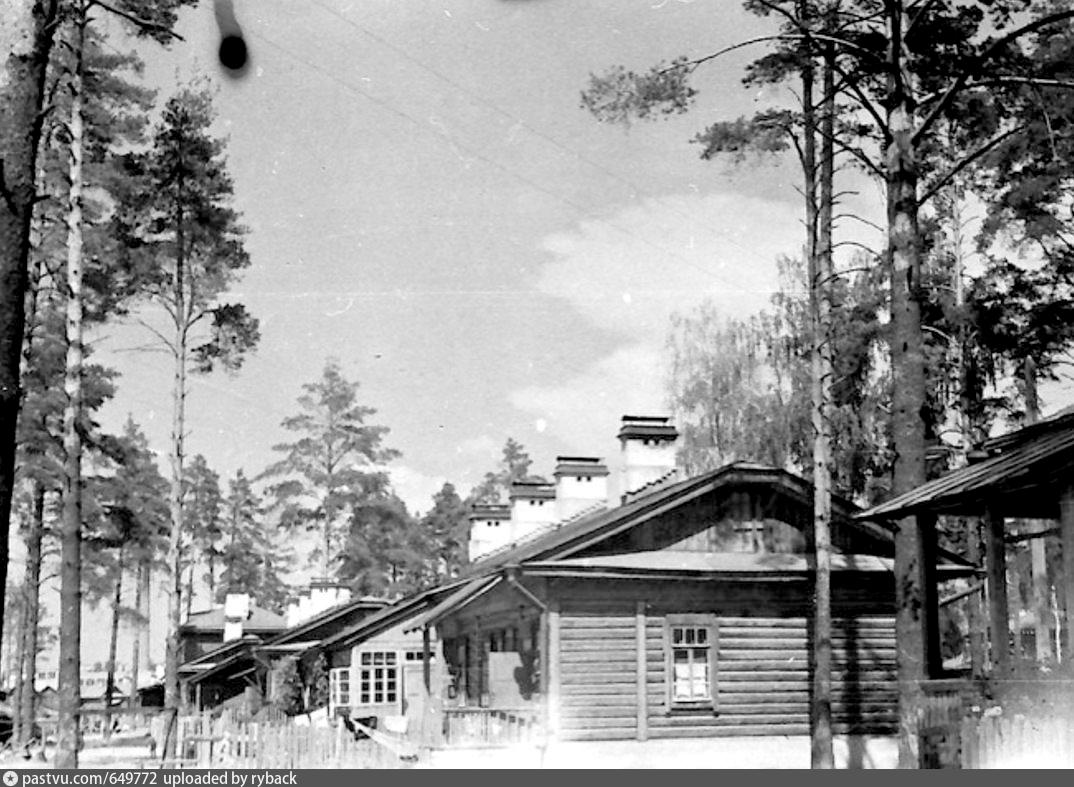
236, 612
648, 451
533, 507
322, 595
581, 484
490, 528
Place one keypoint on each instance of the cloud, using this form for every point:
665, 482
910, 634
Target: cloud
584, 411
630, 272
415, 488
473, 458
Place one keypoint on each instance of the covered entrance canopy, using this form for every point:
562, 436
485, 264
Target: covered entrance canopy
1027, 474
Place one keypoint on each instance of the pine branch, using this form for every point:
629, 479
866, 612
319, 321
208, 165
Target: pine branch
966, 161
144, 24
963, 79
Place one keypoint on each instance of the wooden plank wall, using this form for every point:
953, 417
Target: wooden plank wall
763, 679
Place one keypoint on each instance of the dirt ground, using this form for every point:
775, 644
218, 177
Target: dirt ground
120, 753
123, 753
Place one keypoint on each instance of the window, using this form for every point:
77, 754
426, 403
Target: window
378, 678
417, 655
339, 687
691, 660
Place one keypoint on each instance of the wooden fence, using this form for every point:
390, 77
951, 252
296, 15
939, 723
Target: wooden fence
228, 741
490, 727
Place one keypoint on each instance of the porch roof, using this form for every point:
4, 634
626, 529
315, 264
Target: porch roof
471, 591
244, 658
399, 612
1024, 477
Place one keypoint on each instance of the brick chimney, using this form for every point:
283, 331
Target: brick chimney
533, 506
581, 483
648, 451
490, 528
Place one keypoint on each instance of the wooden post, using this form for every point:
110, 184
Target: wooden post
642, 732
553, 670
974, 607
1066, 529
996, 570
426, 664
1042, 608
929, 549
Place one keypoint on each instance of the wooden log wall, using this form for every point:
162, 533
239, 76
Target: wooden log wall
599, 678
762, 679
764, 675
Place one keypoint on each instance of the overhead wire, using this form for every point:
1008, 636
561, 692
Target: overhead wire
476, 154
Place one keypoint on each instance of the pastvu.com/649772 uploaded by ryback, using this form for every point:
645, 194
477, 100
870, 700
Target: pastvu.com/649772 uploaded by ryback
231, 778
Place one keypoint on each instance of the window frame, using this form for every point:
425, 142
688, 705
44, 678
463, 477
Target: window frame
708, 622
365, 686
340, 688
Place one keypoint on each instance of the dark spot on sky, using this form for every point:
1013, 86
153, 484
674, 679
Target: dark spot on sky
233, 52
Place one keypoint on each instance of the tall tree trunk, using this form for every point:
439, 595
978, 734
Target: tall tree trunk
172, 699
188, 597
18, 727
908, 383
70, 696
27, 710
967, 406
820, 699
1038, 547
26, 37
141, 581
113, 641
821, 279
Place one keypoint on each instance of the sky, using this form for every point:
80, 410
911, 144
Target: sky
427, 201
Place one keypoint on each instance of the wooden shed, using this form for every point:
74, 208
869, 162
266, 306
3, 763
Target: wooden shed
686, 611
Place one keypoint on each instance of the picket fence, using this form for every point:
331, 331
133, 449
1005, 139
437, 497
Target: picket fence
229, 741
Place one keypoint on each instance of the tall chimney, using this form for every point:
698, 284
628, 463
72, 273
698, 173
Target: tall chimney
236, 611
581, 483
533, 506
490, 528
648, 450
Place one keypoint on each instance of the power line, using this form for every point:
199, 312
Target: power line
481, 157
517, 121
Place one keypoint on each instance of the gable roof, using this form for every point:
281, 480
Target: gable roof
312, 629
565, 539
390, 616
216, 654
1023, 477
213, 620
243, 653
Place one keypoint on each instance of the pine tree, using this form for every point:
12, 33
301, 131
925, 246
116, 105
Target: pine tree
446, 534
202, 523
250, 559
336, 463
182, 242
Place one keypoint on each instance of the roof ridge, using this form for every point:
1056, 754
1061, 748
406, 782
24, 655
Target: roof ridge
652, 486
541, 531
